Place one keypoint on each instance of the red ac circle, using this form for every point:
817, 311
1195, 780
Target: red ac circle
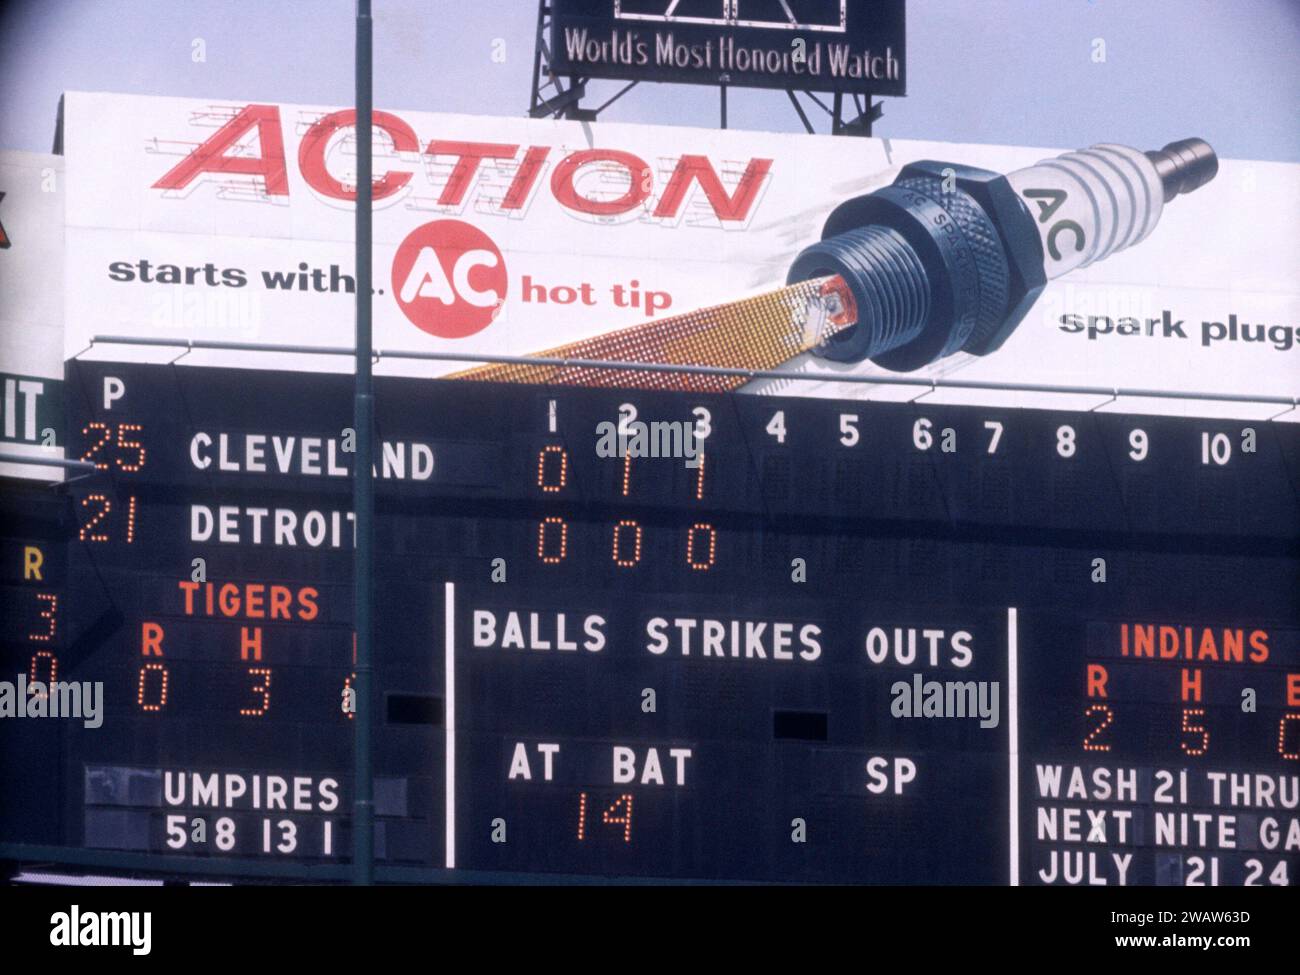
449, 278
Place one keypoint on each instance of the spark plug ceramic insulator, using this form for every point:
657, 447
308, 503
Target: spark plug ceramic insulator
950, 258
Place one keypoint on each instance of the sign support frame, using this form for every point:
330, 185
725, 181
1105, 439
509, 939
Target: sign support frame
565, 103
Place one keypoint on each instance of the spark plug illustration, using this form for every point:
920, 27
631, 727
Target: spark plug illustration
950, 258
946, 259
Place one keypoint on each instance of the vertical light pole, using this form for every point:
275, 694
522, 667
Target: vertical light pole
363, 486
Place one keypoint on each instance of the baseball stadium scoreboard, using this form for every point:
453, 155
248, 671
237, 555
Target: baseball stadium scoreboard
848, 641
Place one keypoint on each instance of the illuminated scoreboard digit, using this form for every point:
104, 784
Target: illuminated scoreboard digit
843, 642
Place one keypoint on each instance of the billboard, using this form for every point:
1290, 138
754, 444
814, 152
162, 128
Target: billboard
818, 45
194, 219
645, 623
31, 312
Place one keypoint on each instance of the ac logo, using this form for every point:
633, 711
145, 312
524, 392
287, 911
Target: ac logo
449, 279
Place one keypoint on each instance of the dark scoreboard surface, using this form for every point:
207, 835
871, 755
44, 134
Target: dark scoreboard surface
632, 667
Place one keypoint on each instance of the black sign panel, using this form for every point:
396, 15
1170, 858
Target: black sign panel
35, 523
817, 45
847, 642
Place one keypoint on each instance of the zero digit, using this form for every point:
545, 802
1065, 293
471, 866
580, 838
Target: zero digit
551, 482
543, 535
142, 687
627, 555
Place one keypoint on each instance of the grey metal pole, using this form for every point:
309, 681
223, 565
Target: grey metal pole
363, 486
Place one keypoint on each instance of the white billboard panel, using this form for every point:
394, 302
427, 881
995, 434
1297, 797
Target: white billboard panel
208, 220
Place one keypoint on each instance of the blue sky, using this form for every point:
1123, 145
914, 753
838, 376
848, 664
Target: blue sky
999, 71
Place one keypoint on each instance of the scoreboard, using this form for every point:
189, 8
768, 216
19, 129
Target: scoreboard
848, 642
